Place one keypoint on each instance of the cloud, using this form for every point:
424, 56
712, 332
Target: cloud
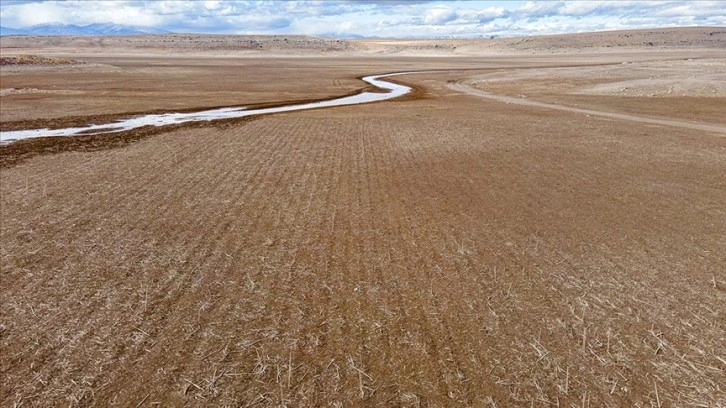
17, 2
483, 15
440, 15
388, 18
77, 12
532, 10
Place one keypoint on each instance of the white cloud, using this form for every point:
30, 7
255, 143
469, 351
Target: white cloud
481, 16
536, 9
394, 18
78, 12
440, 15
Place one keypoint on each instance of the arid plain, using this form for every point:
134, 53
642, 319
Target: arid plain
541, 222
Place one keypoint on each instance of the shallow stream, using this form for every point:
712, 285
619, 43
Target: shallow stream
394, 90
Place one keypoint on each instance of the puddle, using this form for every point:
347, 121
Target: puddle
394, 91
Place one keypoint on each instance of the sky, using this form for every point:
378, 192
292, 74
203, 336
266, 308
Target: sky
368, 18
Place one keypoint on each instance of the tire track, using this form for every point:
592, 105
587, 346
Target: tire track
460, 87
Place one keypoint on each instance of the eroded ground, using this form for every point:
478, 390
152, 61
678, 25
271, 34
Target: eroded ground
443, 250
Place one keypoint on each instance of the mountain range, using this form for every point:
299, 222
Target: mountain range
70, 29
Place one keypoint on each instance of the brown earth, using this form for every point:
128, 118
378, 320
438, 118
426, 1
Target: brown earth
644, 40
438, 250
690, 88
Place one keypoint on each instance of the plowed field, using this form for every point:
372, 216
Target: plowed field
442, 250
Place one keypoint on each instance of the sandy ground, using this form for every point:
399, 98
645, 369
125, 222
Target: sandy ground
645, 41
521, 100
439, 250
689, 88
704, 77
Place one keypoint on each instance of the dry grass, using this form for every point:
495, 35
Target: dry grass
36, 60
443, 251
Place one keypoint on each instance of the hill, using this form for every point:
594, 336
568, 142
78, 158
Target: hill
70, 29
69, 40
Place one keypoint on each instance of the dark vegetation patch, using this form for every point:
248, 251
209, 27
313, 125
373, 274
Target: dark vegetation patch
37, 60
17, 152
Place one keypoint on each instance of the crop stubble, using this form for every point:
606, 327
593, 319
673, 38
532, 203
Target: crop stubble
444, 251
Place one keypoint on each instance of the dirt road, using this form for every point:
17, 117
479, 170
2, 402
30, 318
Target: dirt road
620, 116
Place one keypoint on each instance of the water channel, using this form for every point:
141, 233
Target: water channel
394, 91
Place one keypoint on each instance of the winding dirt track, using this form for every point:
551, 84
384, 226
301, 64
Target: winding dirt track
460, 87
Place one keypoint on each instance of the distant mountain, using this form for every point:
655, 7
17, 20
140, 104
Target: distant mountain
341, 36
11, 31
70, 29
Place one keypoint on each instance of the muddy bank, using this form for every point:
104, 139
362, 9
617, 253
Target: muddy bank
394, 90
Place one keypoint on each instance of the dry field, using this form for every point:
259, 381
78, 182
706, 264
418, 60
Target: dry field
444, 249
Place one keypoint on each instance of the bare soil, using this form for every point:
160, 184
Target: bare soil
438, 250
688, 88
